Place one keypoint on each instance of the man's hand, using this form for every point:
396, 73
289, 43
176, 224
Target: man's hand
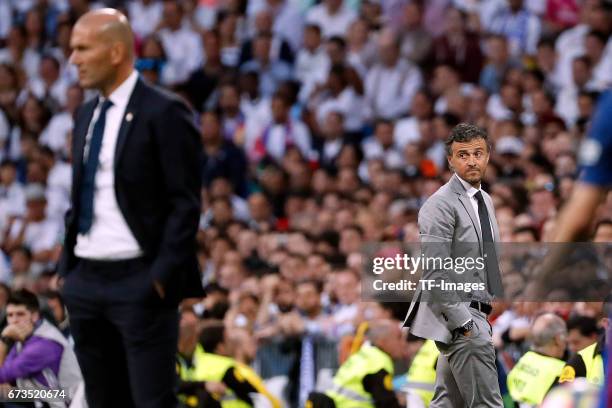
19, 331
215, 388
467, 333
159, 288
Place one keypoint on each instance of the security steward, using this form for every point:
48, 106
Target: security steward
365, 378
211, 364
588, 362
191, 393
539, 369
421, 375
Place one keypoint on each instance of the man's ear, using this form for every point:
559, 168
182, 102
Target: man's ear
117, 52
35, 316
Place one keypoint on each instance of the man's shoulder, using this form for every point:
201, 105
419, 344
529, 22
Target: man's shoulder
157, 98
441, 197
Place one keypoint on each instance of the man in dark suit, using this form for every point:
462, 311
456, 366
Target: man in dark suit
130, 250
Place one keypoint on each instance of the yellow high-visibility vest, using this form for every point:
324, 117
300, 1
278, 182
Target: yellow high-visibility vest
594, 364
422, 373
532, 377
348, 388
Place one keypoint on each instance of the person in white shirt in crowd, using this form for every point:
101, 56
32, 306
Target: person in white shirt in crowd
408, 130
59, 182
6, 19
280, 48
182, 45
17, 52
338, 94
416, 41
567, 99
288, 21
12, 197
598, 48
499, 62
332, 131
20, 263
49, 85
61, 51
256, 107
57, 132
333, 16
271, 72
346, 286
233, 119
571, 42
546, 59
519, 25
380, 145
391, 84
361, 44
312, 63
507, 104
227, 24
35, 231
274, 138
145, 16
445, 83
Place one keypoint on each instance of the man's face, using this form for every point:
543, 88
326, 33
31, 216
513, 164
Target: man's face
210, 127
394, 344
576, 341
469, 160
19, 314
308, 299
91, 55
172, 15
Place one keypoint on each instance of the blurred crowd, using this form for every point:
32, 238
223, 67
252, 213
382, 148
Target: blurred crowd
323, 127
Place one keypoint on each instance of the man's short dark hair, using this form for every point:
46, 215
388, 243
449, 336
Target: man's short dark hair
527, 229
587, 326
211, 336
316, 284
338, 41
465, 132
313, 27
24, 297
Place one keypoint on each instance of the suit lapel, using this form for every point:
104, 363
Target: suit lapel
128, 119
80, 138
493, 220
457, 187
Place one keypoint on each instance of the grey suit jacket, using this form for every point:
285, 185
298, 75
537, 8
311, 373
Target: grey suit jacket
448, 227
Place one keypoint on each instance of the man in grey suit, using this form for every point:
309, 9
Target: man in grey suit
457, 221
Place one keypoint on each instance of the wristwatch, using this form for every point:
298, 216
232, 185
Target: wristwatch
7, 341
466, 327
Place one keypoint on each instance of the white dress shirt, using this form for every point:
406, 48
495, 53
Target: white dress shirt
471, 192
109, 236
144, 19
279, 136
185, 54
389, 90
331, 24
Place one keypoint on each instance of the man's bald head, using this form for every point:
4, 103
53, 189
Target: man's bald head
111, 25
386, 335
102, 49
549, 334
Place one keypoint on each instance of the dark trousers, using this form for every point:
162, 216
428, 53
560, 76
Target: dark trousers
125, 334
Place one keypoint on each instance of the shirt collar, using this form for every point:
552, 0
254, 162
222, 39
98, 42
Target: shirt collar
121, 96
470, 190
